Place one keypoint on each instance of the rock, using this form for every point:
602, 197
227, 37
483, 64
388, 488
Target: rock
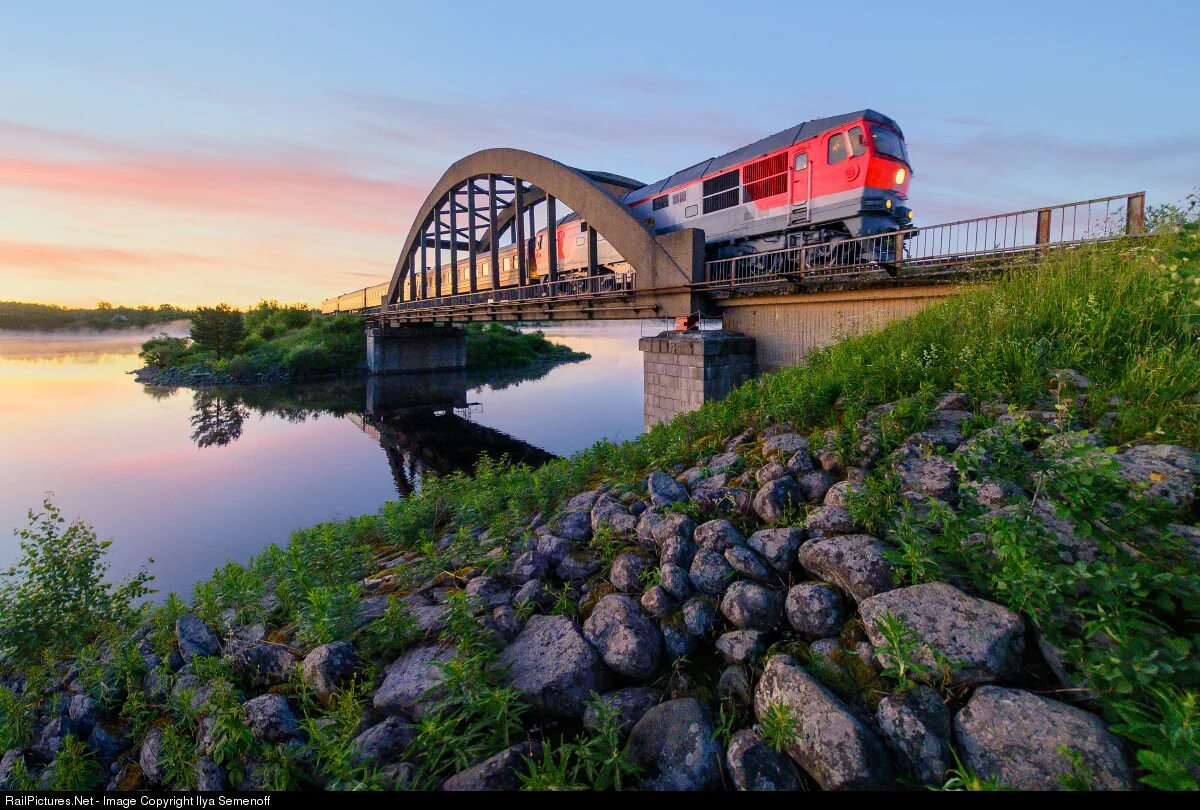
733, 684
751, 606
827, 521
777, 498
83, 712
242, 636
608, 511
974, 641
800, 463
747, 564
1068, 380
383, 742
770, 471
648, 521
657, 602
627, 572
709, 484
629, 706
754, 765
815, 610
500, 772
150, 757
553, 548
575, 527
504, 620
916, 726
677, 641
664, 490
1016, 738
830, 744
814, 485
785, 444
264, 664
673, 744
928, 475
676, 581
270, 718
8, 766
728, 502
195, 638
699, 617
629, 642
528, 566
674, 526
553, 667
51, 738
853, 562
1165, 471
991, 493
777, 546
839, 493
410, 686
328, 666
577, 566
718, 535
741, 646
954, 401
584, 501
210, 775
710, 573
107, 740
489, 592
677, 551
534, 592
831, 461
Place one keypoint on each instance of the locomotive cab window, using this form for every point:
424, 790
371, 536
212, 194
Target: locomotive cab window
837, 148
858, 144
887, 142
801, 161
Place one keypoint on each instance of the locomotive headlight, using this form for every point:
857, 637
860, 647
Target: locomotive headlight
900, 175
887, 204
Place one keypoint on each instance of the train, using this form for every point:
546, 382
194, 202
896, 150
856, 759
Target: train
820, 182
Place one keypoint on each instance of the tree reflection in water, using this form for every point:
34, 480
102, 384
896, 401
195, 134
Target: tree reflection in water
216, 420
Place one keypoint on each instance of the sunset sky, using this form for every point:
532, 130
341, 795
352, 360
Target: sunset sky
205, 152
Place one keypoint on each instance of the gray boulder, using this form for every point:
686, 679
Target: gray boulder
747, 564
627, 572
676, 580
826, 521
657, 602
195, 638
785, 444
264, 664
500, 772
270, 718
383, 742
699, 617
673, 526
741, 646
150, 757
839, 494
8, 765
830, 744
677, 641
676, 550
770, 472
83, 712
1164, 471
489, 592
210, 775
710, 573
665, 490
1018, 739
776, 498
853, 562
916, 726
970, 640
327, 667
629, 706
751, 606
577, 565
815, 610
718, 535
575, 527
928, 475
754, 765
777, 546
628, 641
553, 667
410, 686
814, 485
52, 736
673, 743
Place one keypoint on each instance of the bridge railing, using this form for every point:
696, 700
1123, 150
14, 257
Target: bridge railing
984, 241
585, 287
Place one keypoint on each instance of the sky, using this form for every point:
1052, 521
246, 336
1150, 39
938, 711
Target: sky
228, 151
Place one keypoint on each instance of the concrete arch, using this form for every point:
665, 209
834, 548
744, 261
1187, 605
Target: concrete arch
670, 261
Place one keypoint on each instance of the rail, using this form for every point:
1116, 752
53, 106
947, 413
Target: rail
588, 287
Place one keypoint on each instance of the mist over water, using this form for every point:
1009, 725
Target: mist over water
192, 479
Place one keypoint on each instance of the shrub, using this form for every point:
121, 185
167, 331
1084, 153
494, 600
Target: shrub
164, 351
218, 329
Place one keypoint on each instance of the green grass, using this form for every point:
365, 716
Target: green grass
499, 346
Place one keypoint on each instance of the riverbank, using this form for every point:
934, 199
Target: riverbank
29, 317
960, 552
322, 348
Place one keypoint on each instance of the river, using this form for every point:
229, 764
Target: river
192, 479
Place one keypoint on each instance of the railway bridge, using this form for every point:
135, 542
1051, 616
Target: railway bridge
483, 247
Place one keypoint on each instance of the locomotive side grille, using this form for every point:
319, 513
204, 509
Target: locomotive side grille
765, 178
678, 197
721, 191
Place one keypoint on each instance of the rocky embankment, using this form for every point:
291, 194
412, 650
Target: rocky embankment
739, 624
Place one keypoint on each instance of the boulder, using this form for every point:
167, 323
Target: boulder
410, 685
575, 527
785, 444
533, 592
628, 705
928, 475
264, 664
733, 684
827, 521
770, 472
677, 551
777, 546
830, 744
673, 526
108, 739
777, 498
754, 765
8, 765
150, 757
747, 564
500, 772
741, 646
210, 776
718, 535
657, 602
710, 573
815, 610
83, 712
839, 494
1023, 741
195, 638
664, 490
627, 572
628, 641
553, 667
489, 592
699, 617
383, 742
751, 606
814, 486
853, 562
327, 667
677, 641
916, 726
676, 580
270, 718
577, 565
673, 744
1165, 471
968, 640
51, 738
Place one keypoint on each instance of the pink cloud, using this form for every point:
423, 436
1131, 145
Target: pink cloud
85, 261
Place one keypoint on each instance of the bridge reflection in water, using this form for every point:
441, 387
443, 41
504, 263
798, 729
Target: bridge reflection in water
421, 421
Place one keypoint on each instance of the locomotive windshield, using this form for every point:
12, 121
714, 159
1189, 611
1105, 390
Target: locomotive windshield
888, 143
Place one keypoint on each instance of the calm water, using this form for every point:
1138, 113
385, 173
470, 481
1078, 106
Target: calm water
193, 479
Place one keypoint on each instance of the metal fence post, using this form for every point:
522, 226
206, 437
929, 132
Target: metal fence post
1135, 214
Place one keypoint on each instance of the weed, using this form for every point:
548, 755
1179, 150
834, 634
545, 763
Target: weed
391, 633
778, 726
329, 613
74, 768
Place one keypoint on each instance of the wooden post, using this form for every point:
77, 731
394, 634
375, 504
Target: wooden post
1043, 227
1135, 214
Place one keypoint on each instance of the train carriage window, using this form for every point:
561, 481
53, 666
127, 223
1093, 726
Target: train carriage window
801, 161
660, 203
858, 144
691, 210
837, 148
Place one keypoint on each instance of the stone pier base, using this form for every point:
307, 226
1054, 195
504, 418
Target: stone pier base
415, 348
683, 370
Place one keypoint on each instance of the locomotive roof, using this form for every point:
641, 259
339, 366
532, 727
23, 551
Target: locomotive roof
771, 143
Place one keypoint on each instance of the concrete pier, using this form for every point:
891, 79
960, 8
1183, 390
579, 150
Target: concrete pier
684, 370
415, 348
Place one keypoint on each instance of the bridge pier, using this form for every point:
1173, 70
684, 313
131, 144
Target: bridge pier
684, 370
415, 348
